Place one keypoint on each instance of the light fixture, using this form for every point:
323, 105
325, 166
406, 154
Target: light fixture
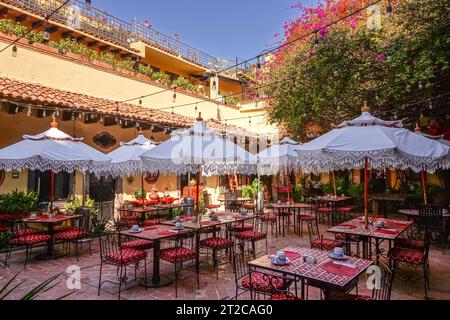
430, 105
140, 102
57, 112
29, 111
336, 71
250, 120
420, 85
214, 85
174, 99
44, 114
46, 34
258, 63
14, 51
389, 9
17, 109
196, 107
137, 125
72, 116
172, 111
101, 120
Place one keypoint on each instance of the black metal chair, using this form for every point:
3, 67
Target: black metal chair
431, 219
317, 241
218, 245
111, 253
181, 252
255, 282
259, 233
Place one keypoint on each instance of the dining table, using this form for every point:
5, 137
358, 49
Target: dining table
322, 271
381, 230
152, 209
49, 223
155, 234
206, 222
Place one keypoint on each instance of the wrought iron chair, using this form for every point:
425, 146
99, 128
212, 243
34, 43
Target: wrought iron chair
22, 236
258, 233
254, 282
317, 241
183, 251
111, 253
431, 219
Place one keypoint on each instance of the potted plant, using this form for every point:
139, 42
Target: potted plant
18, 203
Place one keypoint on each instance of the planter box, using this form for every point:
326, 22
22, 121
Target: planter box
45, 47
7, 36
73, 56
102, 64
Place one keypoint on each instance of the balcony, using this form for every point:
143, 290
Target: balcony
80, 16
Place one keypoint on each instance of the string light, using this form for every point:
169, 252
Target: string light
196, 107
140, 101
14, 51
17, 109
430, 105
174, 99
29, 111
44, 114
72, 116
420, 85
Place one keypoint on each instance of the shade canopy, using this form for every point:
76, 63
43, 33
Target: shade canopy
279, 157
126, 160
53, 150
385, 144
199, 149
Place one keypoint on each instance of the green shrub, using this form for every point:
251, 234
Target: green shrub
18, 202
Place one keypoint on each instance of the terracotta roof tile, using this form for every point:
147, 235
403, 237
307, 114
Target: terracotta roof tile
25, 92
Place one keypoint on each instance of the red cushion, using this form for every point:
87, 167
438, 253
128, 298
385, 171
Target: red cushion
7, 217
240, 228
3, 229
128, 223
260, 282
216, 243
325, 210
250, 235
177, 254
325, 244
346, 209
268, 217
126, 256
284, 296
406, 255
213, 206
409, 244
282, 213
150, 222
137, 244
70, 234
306, 217
25, 232
31, 240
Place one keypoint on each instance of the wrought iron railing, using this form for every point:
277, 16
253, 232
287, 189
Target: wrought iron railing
86, 18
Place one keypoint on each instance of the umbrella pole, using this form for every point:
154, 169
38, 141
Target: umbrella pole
83, 191
334, 183
197, 205
424, 187
144, 195
189, 184
52, 190
366, 187
288, 180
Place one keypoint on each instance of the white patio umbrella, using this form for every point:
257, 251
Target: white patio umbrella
126, 160
199, 149
56, 151
369, 141
280, 157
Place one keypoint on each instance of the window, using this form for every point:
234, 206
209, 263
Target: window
40, 182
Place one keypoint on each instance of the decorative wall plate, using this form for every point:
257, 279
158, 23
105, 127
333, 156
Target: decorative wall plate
152, 177
105, 140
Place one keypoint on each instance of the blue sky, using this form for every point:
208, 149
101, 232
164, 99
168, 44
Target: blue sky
225, 29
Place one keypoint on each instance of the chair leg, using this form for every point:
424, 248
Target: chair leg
100, 278
120, 281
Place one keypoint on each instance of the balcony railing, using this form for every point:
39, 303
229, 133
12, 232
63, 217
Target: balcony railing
84, 17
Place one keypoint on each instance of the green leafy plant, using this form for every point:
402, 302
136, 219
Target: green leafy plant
356, 191
231, 100
251, 191
183, 83
176, 212
161, 77
77, 204
43, 287
17, 202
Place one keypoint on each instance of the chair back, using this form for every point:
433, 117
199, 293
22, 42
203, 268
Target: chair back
430, 218
85, 221
385, 289
260, 225
313, 230
109, 243
241, 257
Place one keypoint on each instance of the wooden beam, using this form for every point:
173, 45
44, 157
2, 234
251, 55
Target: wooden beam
21, 18
104, 48
92, 44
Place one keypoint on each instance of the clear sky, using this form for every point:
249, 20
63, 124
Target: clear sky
225, 29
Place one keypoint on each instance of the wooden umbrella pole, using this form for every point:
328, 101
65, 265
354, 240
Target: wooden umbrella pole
334, 183
366, 187
288, 181
197, 205
144, 196
424, 187
52, 190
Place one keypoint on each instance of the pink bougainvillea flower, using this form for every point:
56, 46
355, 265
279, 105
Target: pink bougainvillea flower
311, 53
323, 32
381, 57
353, 24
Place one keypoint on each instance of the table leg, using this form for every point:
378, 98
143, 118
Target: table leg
303, 289
157, 280
377, 250
50, 252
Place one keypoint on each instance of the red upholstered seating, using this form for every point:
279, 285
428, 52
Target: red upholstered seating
241, 228
269, 217
25, 232
177, 254
413, 257
260, 282
213, 206
325, 244
30, 240
346, 209
126, 256
409, 244
285, 297
250, 235
306, 217
3, 229
325, 210
282, 213
71, 234
150, 222
216, 243
137, 245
